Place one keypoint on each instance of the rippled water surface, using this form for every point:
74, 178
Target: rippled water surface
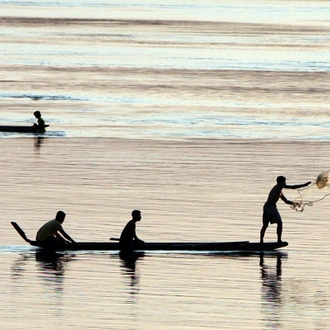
187, 111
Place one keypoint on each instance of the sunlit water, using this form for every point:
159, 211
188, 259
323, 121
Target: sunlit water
187, 112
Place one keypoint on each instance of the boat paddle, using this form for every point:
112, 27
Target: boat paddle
20, 231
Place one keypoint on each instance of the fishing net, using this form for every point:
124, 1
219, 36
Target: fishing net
315, 192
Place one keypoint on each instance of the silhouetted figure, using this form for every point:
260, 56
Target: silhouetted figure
128, 238
52, 234
270, 213
41, 123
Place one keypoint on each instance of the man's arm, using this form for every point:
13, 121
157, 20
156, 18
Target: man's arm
133, 229
137, 239
65, 235
285, 200
297, 186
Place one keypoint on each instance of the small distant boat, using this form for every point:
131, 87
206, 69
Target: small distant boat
19, 128
239, 246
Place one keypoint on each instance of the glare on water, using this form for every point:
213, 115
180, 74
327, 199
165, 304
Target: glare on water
189, 112
200, 191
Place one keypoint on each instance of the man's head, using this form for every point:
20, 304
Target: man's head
136, 215
37, 114
60, 216
281, 179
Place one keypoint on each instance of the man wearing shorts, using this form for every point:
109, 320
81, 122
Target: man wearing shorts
270, 213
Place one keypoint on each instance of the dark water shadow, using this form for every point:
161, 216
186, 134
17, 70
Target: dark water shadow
271, 289
129, 259
54, 263
48, 268
271, 276
38, 142
51, 260
128, 262
270, 264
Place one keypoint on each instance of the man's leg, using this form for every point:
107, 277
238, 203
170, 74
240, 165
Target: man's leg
279, 231
262, 232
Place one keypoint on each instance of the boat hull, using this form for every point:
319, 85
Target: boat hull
19, 129
238, 246
174, 246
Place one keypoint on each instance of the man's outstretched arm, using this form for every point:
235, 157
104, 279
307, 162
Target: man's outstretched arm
297, 186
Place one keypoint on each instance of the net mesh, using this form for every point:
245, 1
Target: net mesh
315, 192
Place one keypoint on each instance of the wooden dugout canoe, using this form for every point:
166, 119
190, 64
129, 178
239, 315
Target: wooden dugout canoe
19, 128
237, 246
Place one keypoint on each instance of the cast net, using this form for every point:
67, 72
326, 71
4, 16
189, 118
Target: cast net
315, 192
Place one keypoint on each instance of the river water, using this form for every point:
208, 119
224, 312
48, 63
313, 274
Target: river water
187, 111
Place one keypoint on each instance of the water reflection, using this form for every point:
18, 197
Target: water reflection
18, 268
38, 142
50, 263
51, 270
129, 271
129, 259
271, 289
50, 274
54, 261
